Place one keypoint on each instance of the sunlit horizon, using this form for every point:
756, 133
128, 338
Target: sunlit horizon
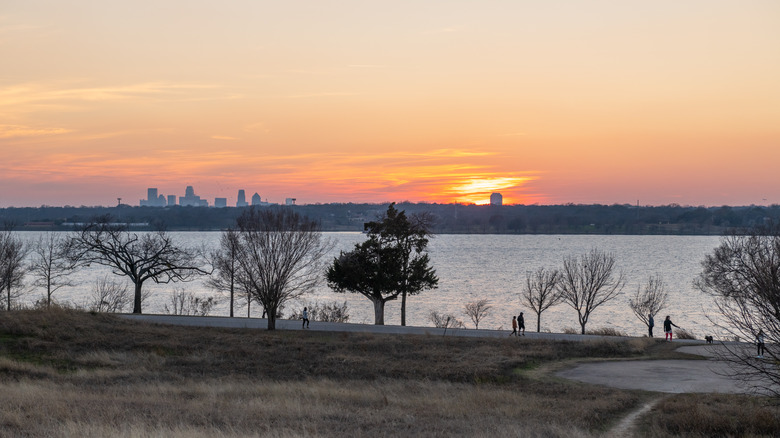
547, 103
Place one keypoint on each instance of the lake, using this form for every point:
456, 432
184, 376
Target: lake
472, 267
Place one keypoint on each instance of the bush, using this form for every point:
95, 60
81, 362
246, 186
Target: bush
444, 320
186, 303
606, 331
684, 334
328, 312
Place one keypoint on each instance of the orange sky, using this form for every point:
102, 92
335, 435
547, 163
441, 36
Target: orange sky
362, 101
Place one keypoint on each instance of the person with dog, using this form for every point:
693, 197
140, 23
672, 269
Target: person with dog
668, 324
760, 344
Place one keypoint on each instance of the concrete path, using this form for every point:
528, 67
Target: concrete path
286, 324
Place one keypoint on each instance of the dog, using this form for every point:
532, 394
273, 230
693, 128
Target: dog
708, 339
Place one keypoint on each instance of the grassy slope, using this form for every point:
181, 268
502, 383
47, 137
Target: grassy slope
66, 373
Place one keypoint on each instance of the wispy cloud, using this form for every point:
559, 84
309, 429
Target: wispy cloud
11, 131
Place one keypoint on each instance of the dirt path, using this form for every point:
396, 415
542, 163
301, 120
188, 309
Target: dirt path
626, 426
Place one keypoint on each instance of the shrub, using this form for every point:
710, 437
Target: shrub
328, 312
186, 303
444, 320
571, 331
684, 334
606, 331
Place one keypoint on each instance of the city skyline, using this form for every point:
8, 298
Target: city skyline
596, 102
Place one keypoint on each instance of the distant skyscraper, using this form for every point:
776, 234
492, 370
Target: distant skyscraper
256, 199
289, 201
190, 199
171, 200
496, 199
152, 199
220, 202
241, 199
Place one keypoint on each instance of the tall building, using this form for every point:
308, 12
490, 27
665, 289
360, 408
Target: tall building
256, 199
289, 201
220, 202
152, 199
190, 199
171, 200
241, 199
496, 199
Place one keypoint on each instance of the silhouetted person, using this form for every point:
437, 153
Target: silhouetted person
650, 324
514, 326
521, 323
760, 344
305, 318
668, 328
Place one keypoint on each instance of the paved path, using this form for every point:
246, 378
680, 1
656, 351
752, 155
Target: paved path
286, 324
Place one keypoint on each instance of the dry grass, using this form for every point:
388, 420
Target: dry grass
713, 415
67, 373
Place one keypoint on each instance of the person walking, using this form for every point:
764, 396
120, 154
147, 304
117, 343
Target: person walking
650, 324
305, 318
514, 326
760, 344
668, 324
521, 323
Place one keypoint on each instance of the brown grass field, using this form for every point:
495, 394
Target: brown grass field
67, 373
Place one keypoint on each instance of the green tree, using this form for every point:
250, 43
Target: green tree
391, 263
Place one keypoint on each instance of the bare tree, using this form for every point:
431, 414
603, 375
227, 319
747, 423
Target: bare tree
589, 281
649, 300
138, 256
109, 296
477, 310
50, 264
280, 255
541, 292
226, 266
13, 252
742, 275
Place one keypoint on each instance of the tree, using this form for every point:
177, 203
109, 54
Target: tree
650, 299
410, 237
368, 270
13, 252
51, 265
742, 275
280, 256
588, 282
138, 256
225, 265
392, 262
444, 320
541, 292
186, 303
477, 310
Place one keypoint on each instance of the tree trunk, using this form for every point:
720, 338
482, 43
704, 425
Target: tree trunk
9, 296
137, 298
583, 327
272, 319
379, 312
538, 322
403, 308
231, 299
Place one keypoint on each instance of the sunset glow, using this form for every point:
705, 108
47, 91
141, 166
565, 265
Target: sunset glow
432, 101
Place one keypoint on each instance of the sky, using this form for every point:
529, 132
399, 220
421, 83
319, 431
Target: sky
546, 102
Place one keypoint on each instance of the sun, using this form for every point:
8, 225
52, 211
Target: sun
477, 190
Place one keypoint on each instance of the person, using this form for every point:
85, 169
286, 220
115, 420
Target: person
760, 344
514, 326
521, 323
305, 318
650, 324
668, 328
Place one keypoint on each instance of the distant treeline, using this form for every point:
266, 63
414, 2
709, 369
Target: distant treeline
449, 218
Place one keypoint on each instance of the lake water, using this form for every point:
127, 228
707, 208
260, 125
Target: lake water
472, 267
